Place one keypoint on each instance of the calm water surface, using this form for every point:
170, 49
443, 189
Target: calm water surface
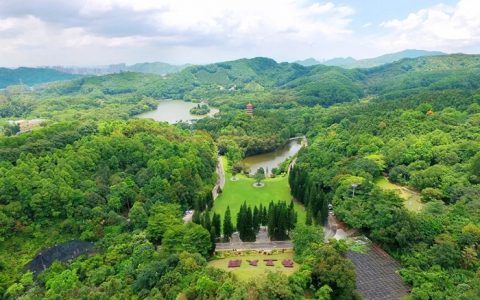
273, 159
173, 111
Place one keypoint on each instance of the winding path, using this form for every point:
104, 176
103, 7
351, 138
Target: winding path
221, 178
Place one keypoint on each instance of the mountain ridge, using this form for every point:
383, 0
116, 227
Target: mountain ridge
350, 62
31, 76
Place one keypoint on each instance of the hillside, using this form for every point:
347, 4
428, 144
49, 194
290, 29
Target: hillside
308, 62
31, 76
159, 68
409, 76
351, 63
266, 81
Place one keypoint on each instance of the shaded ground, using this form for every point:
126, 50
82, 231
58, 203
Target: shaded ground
246, 272
377, 275
412, 199
62, 253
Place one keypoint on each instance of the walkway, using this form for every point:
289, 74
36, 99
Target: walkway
221, 178
254, 246
262, 242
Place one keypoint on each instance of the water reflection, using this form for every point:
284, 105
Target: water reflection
273, 159
174, 111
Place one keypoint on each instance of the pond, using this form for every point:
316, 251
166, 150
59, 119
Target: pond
273, 159
173, 111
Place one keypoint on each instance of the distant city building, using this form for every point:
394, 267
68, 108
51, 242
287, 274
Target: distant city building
249, 109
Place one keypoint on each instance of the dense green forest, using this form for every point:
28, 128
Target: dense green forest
93, 172
435, 153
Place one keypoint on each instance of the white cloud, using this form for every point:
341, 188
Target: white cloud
440, 27
246, 27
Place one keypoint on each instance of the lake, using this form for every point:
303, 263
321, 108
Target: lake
273, 159
173, 111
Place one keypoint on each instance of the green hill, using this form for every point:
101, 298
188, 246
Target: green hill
266, 81
350, 62
308, 62
31, 76
160, 68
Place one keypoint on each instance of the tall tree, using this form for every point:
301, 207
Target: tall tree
256, 219
216, 222
227, 225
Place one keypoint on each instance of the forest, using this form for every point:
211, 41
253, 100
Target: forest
93, 172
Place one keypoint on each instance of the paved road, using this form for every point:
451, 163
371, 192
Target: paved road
254, 246
221, 178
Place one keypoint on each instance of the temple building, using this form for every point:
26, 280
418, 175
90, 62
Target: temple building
249, 109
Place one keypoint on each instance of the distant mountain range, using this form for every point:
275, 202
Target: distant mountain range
31, 76
350, 62
159, 68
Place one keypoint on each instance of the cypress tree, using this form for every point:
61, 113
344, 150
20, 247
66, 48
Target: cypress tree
227, 225
208, 202
206, 222
256, 220
292, 216
324, 211
308, 220
260, 214
271, 220
250, 232
196, 218
265, 216
216, 222
241, 222
213, 235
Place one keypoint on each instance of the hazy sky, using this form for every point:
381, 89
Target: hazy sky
96, 32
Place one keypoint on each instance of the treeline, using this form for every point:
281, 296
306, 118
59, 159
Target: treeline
44, 140
311, 195
279, 217
56, 105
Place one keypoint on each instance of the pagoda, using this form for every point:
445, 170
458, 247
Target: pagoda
249, 109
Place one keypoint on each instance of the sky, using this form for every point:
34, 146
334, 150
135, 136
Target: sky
100, 32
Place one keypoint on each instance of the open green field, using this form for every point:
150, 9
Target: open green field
235, 193
412, 199
246, 272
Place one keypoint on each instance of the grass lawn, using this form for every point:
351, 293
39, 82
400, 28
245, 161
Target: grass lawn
412, 199
246, 272
235, 193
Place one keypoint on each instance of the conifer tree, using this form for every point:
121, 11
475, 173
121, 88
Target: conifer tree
249, 230
227, 225
216, 222
206, 222
265, 216
256, 220
213, 235
208, 202
308, 220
